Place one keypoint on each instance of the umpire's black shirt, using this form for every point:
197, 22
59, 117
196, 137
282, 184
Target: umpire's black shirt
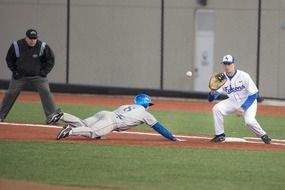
30, 63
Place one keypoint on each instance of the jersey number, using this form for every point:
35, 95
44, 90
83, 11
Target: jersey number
127, 109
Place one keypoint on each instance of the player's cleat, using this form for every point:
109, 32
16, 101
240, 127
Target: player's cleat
55, 117
266, 139
65, 132
219, 138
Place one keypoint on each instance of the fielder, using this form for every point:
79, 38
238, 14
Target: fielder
242, 94
121, 119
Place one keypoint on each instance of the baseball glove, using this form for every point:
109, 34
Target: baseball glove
217, 80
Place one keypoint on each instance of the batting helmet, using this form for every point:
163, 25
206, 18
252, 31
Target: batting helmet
143, 100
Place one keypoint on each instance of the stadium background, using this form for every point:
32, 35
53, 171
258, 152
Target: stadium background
147, 44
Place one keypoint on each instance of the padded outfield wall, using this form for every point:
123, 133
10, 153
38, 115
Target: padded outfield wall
142, 44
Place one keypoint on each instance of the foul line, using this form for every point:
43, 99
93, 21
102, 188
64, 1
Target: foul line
253, 138
155, 134
32, 125
239, 140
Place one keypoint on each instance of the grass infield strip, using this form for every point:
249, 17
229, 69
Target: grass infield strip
122, 167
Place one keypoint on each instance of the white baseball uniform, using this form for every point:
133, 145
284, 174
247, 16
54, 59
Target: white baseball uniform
104, 122
239, 90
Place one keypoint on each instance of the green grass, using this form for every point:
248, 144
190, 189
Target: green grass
154, 168
141, 167
176, 121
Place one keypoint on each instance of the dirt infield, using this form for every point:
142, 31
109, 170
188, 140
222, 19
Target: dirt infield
42, 133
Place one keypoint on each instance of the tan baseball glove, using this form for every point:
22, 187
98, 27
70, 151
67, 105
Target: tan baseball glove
217, 80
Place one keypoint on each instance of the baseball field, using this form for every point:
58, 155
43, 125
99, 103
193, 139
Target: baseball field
31, 158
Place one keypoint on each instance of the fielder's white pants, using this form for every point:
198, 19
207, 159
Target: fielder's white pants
97, 125
227, 107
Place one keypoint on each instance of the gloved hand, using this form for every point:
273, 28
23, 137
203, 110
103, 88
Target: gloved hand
217, 80
16, 75
43, 73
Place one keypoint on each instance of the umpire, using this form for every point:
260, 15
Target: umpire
30, 60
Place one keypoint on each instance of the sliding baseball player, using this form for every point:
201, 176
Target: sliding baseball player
242, 94
121, 119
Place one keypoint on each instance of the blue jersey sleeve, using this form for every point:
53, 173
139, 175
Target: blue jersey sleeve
163, 131
250, 99
213, 97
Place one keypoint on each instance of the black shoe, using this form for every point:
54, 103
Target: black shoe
55, 117
266, 139
219, 138
65, 132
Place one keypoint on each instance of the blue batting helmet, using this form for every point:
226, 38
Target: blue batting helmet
143, 100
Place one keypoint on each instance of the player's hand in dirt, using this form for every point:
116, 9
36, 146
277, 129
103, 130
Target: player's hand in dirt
180, 140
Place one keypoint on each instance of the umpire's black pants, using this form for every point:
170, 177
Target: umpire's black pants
15, 87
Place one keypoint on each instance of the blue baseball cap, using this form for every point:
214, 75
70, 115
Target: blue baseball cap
228, 59
143, 100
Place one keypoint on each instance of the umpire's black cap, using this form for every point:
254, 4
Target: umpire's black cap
32, 34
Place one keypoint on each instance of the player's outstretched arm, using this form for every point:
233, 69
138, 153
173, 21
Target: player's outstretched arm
163, 131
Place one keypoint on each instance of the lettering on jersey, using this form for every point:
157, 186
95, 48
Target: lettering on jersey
230, 89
